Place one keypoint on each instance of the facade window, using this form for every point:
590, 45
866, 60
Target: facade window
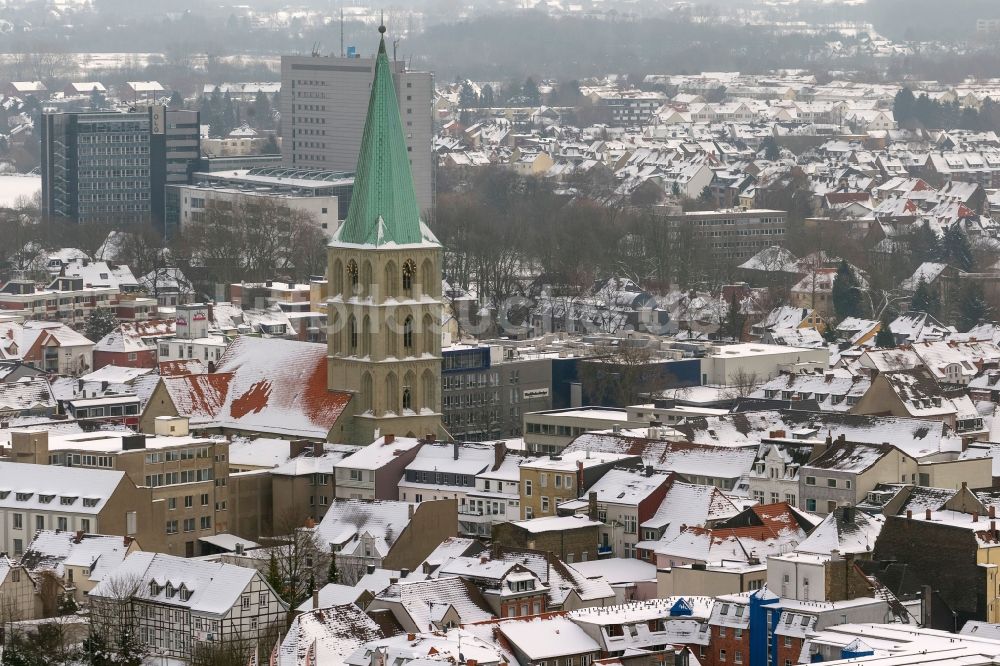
408, 334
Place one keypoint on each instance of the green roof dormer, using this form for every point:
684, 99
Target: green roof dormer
384, 210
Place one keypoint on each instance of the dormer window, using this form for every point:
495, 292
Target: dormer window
171, 591
23, 497
45, 499
66, 500
154, 588
183, 592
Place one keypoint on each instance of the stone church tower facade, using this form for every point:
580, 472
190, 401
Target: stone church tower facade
384, 306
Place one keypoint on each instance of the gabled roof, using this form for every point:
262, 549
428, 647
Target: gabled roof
263, 385
427, 601
690, 504
348, 520
215, 588
384, 209
855, 457
327, 636
850, 531
52, 550
723, 460
26, 394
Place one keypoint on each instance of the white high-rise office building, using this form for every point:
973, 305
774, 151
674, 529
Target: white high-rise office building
324, 100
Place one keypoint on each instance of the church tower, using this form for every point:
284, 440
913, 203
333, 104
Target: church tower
384, 309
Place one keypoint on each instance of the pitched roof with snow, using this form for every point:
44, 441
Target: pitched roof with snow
719, 459
852, 532
626, 486
327, 636
26, 394
263, 385
348, 520
214, 587
51, 550
690, 504
84, 490
427, 601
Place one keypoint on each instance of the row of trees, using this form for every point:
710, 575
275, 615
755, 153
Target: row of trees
259, 239
223, 114
922, 112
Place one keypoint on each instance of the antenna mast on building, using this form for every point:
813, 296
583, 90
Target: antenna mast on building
341, 31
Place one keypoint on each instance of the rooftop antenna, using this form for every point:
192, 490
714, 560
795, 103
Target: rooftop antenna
341, 31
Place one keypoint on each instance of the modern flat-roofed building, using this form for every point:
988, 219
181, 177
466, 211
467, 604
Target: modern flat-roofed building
551, 431
323, 105
111, 165
323, 194
734, 234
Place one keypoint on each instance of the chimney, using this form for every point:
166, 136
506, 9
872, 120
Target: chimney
370, 568
79, 385
411, 637
430, 437
579, 474
315, 599
592, 505
104, 386
310, 523
454, 449
777, 434
404, 572
975, 516
389, 438
133, 442
296, 447
993, 511
211, 313
211, 367
909, 514
499, 453
409, 511
927, 514
127, 541
79, 536
393, 580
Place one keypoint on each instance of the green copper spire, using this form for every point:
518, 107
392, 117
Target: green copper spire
384, 207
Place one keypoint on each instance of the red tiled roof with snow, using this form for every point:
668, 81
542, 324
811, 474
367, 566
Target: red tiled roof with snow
263, 385
179, 368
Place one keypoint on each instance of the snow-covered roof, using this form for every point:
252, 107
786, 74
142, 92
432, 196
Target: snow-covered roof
690, 504
76, 490
627, 486
556, 523
347, 520
379, 453
617, 570
214, 587
426, 601
51, 550
854, 532
26, 394
327, 636
534, 637
116, 374
719, 459
263, 385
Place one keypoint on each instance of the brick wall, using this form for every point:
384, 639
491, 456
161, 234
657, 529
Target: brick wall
941, 556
